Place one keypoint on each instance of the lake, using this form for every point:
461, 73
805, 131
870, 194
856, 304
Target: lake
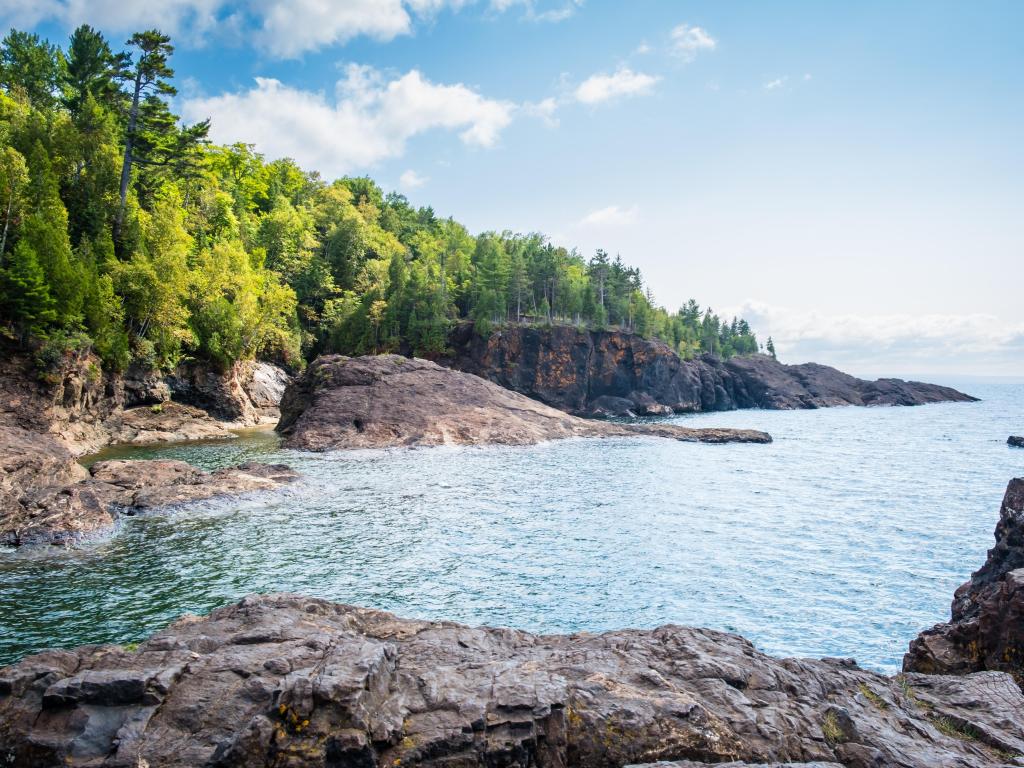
845, 537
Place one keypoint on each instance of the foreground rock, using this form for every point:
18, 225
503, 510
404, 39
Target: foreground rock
59, 514
1015, 442
389, 400
986, 631
283, 680
616, 373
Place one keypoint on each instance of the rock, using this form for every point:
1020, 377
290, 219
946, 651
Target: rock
247, 393
388, 400
579, 371
284, 680
166, 422
986, 629
61, 514
1015, 442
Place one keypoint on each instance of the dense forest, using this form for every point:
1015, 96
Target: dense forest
129, 233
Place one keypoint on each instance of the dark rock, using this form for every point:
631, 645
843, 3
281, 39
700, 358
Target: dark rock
986, 629
283, 680
388, 400
1015, 442
578, 371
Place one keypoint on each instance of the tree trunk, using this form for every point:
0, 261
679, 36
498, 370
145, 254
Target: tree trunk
7, 222
126, 165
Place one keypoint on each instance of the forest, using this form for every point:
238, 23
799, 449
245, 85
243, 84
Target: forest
130, 234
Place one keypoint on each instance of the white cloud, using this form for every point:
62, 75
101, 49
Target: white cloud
775, 84
687, 41
369, 118
894, 344
612, 215
412, 180
284, 28
642, 49
538, 11
545, 110
624, 82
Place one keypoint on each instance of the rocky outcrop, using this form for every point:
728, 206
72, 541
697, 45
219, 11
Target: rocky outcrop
1015, 442
47, 513
615, 373
248, 393
986, 629
283, 680
388, 400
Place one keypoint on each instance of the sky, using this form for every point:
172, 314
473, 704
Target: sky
847, 176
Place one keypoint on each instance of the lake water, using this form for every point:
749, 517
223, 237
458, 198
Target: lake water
846, 536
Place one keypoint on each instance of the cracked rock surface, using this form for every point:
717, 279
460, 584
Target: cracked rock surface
285, 680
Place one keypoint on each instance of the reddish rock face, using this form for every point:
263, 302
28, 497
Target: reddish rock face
986, 630
387, 400
615, 373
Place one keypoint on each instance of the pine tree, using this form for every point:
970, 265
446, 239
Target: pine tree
770, 346
26, 298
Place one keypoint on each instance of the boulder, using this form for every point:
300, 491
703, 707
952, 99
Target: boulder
388, 400
986, 628
246, 393
284, 680
582, 372
1015, 441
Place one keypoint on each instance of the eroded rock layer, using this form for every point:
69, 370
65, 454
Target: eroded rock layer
389, 400
283, 680
616, 373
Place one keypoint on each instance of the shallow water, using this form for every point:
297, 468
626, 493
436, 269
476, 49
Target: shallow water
846, 536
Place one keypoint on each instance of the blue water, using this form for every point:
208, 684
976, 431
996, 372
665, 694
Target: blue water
846, 536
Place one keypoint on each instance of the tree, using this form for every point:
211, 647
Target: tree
149, 78
13, 178
91, 70
26, 298
770, 346
31, 65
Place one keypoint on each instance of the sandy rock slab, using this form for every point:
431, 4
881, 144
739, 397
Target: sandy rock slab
388, 400
285, 680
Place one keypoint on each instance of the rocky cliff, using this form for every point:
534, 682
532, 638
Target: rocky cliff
615, 373
986, 628
388, 400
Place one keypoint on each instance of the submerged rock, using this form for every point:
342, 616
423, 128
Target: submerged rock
58, 514
613, 372
389, 400
986, 630
1015, 442
283, 680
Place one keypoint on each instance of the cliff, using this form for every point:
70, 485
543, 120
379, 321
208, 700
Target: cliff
616, 373
388, 400
986, 627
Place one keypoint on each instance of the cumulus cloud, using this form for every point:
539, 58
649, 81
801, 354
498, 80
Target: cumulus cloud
411, 180
623, 82
894, 344
368, 119
686, 41
545, 110
283, 28
775, 84
612, 215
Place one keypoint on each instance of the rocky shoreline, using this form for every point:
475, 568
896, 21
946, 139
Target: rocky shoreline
387, 400
287, 680
600, 373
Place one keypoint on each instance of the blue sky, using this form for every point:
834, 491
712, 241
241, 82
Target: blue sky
849, 176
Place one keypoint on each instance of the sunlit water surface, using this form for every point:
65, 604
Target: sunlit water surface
846, 536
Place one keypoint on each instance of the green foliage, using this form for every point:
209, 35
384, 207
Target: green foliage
125, 232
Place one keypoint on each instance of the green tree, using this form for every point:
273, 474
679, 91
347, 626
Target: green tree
32, 66
91, 70
26, 298
13, 178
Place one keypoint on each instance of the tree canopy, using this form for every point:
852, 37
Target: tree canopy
128, 232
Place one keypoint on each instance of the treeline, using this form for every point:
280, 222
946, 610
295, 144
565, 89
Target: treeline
128, 233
